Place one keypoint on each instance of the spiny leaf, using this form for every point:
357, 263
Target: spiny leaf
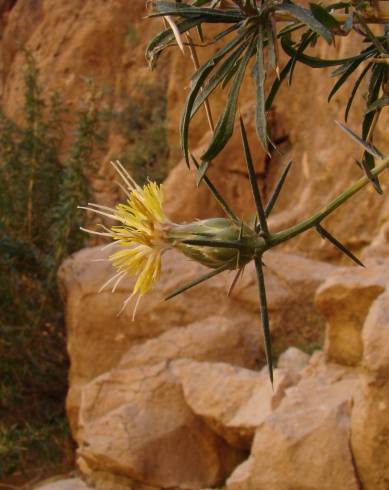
253, 180
366, 146
276, 85
216, 79
366, 165
161, 40
219, 198
198, 80
208, 15
199, 280
225, 125
264, 315
201, 171
354, 90
313, 61
351, 67
327, 236
277, 189
260, 76
378, 104
324, 17
305, 16
307, 38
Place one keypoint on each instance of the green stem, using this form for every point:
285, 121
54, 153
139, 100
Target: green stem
316, 219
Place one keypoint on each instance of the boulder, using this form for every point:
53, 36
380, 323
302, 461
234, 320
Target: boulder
214, 339
344, 300
135, 423
304, 443
98, 338
293, 360
233, 401
370, 422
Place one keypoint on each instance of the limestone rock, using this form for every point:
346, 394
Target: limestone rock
91, 316
344, 300
293, 360
370, 434
135, 423
376, 339
233, 401
214, 339
241, 477
370, 423
304, 443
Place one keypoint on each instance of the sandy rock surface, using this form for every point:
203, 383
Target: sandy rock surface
345, 300
203, 323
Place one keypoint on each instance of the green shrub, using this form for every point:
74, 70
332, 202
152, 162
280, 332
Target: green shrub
41, 186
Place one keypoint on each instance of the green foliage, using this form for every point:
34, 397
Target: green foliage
253, 34
41, 186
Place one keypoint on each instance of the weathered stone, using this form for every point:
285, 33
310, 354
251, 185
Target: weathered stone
376, 339
293, 360
214, 339
304, 443
370, 433
233, 401
92, 320
370, 422
135, 423
241, 477
344, 300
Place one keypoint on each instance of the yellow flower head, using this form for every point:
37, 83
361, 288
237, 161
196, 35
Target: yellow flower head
140, 234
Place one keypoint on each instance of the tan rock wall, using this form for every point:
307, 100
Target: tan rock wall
79, 38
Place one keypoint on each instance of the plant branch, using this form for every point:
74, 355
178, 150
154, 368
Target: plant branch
317, 218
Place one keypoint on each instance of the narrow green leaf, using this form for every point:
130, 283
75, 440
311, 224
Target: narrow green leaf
198, 80
370, 35
313, 61
219, 198
260, 77
366, 165
253, 180
223, 71
225, 125
199, 280
366, 146
277, 190
355, 89
378, 104
324, 17
264, 315
327, 236
161, 40
306, 39
351, 67
276, 85
272, 43
377, 77
208, 15
201, 171
305, 16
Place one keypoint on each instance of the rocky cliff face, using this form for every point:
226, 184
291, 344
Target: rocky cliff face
106, 41
176, 399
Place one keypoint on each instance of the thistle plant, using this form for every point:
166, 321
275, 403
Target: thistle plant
251, 37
